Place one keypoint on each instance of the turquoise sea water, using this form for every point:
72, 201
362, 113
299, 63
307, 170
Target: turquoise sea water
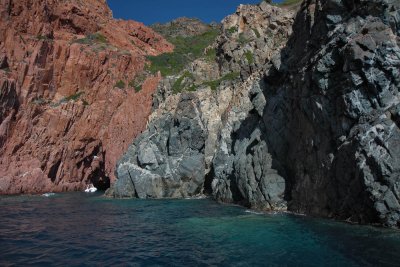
88, 230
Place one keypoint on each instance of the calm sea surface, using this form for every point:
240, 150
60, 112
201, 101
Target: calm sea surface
88, 230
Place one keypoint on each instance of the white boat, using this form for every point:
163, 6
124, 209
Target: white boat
90, 189
48, 195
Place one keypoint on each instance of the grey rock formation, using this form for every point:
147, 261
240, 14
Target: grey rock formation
168, 159
213, 141
332, 108
252, 36
243, 169
311, 126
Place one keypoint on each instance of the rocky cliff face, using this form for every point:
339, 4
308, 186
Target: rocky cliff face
200, 136
310, 125
182, 27
68, 104
332, 111
284, 110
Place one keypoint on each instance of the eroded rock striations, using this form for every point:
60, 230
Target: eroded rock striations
68, 108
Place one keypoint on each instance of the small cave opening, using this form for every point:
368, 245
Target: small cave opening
207, 188
52, 174
99, 178
101, 182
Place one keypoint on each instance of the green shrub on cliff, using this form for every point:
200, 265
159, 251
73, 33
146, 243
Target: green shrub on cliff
232, 30
211, 55
177, 86
186, 50
227, 77
180, 85
92, 38
242, 39
249, 56
73, 97
43, 38
256, 32
120, 84
134, 85
289, 2
138, 81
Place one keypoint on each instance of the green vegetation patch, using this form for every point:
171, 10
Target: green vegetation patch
101, 47
186, 50
256, 32
249, 56
228, 77
43, 38
93, 38
177, 86
242, 39
137, 82
232, 30
211, 55
289, 2
193, 88
120, 84
73, 97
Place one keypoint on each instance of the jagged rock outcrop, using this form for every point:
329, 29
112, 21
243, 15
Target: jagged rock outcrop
201, 140
332, 111
252, 36
243, 170
242, 167
182, 27
168, 159
318, 133
67, 108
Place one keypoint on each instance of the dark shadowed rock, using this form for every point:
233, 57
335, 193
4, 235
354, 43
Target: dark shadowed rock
167, 160
330, 111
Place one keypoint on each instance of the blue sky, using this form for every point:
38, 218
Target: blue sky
151, 11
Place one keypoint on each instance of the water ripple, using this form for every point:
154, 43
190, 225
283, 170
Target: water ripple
86, 230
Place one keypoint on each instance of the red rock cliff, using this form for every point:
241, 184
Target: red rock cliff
67, 111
